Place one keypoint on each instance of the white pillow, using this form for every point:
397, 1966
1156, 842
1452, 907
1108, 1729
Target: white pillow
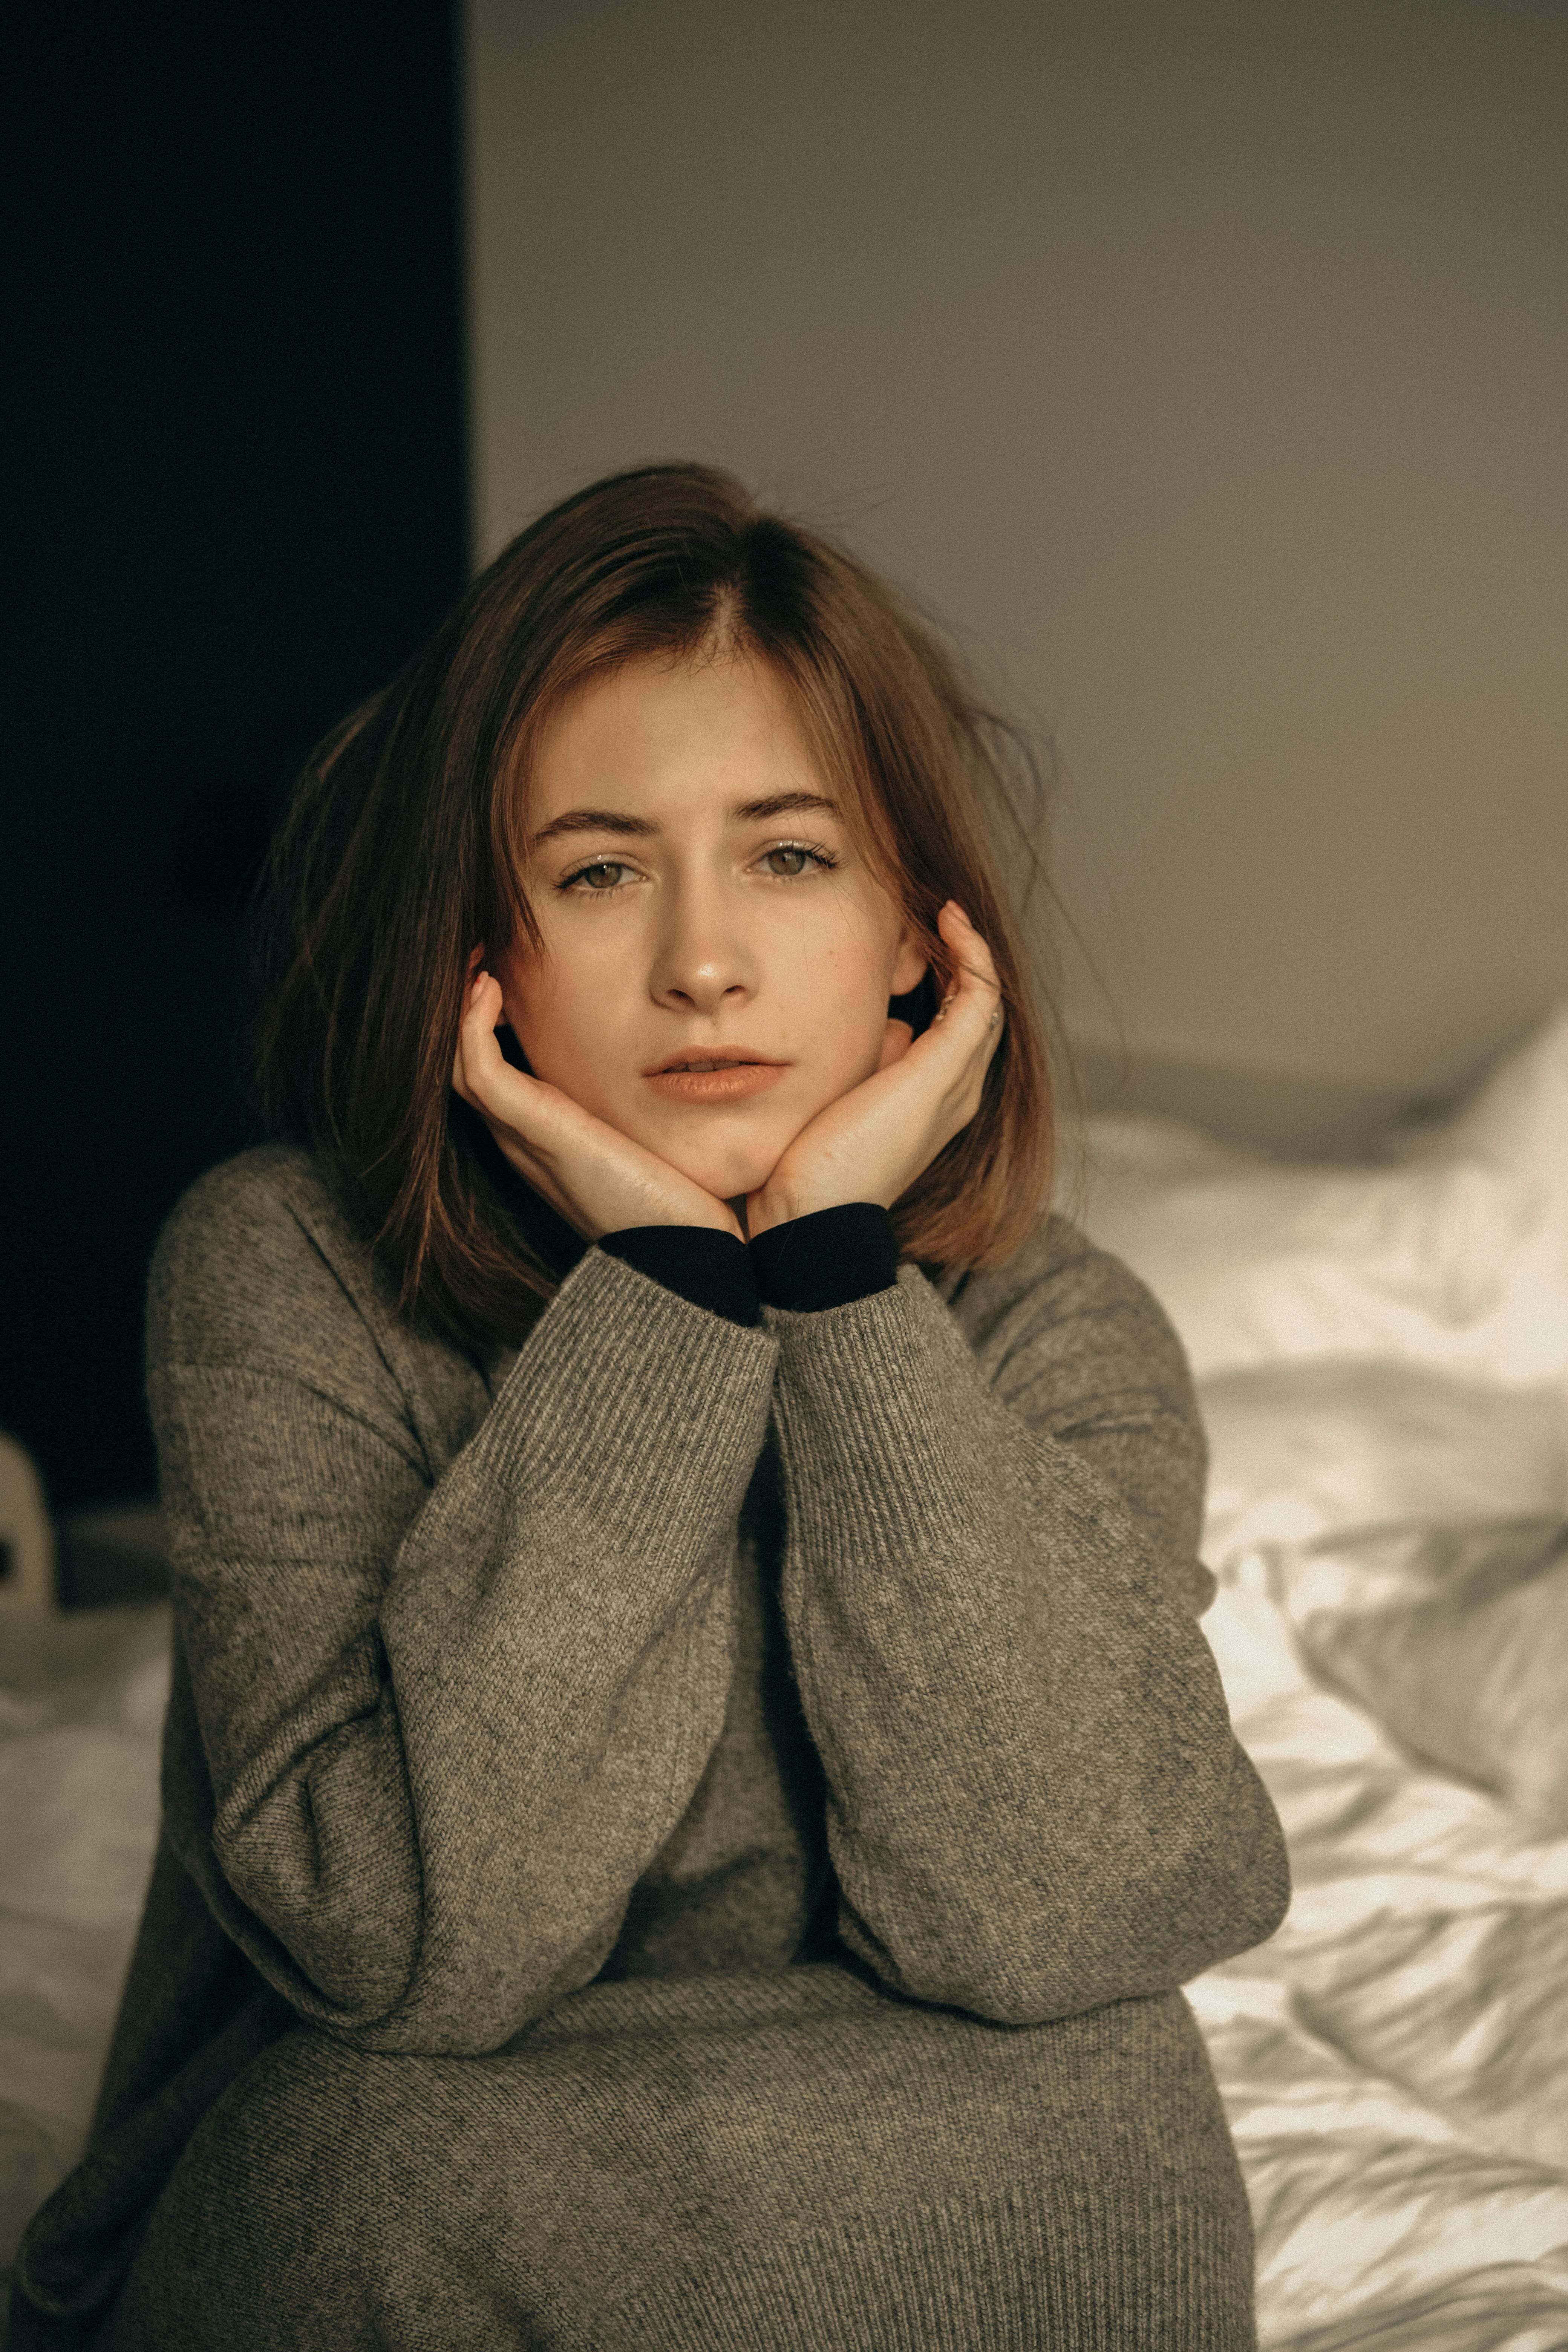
1516, 1118
1450, 1253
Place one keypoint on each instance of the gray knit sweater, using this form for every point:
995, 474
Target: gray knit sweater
680, 1834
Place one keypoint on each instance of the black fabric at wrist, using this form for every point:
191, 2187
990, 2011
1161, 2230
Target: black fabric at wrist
700, 1263
827, 1259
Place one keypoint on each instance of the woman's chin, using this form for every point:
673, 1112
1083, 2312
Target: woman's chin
727, 1169
729, 1180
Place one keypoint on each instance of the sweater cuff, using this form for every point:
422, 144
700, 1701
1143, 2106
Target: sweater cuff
827, 1259
700, 1263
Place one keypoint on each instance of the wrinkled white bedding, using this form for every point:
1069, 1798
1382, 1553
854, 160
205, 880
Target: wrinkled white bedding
1394, 2061
1381, 1348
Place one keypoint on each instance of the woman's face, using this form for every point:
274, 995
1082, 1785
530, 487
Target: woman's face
718, 955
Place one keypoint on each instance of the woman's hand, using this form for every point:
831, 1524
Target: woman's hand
873, 1142
599, 1179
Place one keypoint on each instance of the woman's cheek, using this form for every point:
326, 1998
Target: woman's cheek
565, 1045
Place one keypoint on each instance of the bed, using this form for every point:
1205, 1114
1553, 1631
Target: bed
1382, 1353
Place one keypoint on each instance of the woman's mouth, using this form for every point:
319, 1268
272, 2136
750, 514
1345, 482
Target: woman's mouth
713, 1078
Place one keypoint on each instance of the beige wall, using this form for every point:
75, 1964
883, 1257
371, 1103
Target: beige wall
1207, 365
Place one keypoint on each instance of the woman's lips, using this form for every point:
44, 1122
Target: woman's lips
729, 1085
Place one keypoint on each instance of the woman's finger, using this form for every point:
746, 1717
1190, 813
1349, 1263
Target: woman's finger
473, 990
968, 1026
478, 1058
970, 1016
976, 970
505, 1098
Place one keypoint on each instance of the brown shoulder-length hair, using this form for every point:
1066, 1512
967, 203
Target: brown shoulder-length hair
400, 849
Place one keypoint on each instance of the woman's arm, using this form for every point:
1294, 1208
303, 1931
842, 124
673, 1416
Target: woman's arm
1036, 1803
455, 1672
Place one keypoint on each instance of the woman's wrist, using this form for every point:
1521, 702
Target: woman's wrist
701, 1264
827, 1259
768, 1210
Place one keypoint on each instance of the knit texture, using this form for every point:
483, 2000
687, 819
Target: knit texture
682, 1833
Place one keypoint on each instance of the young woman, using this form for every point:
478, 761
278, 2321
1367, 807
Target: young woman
692, 1781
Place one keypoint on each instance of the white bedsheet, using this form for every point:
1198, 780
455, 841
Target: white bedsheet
1380, 1347
1394, 2061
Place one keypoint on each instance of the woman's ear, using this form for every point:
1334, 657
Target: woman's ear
911, 967
917, 1007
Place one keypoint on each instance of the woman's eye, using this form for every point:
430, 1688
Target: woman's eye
797, 860
785, 863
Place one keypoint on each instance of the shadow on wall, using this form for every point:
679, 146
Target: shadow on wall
1294, 1118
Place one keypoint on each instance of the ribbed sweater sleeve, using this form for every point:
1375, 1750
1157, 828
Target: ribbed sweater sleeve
1035, 1802
427, 1729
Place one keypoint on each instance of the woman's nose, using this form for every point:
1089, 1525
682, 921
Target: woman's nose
701, 964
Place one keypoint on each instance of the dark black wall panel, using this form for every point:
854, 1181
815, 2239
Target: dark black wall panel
236, 450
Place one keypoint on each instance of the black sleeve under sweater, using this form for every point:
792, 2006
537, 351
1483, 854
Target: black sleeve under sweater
826, 1259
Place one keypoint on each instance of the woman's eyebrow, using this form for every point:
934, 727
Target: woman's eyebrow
616, 820
782, 804
591, 821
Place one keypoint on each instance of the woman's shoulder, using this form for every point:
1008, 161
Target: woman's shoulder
1063, 1294
259, 1253
1057, 1261
269, 1182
